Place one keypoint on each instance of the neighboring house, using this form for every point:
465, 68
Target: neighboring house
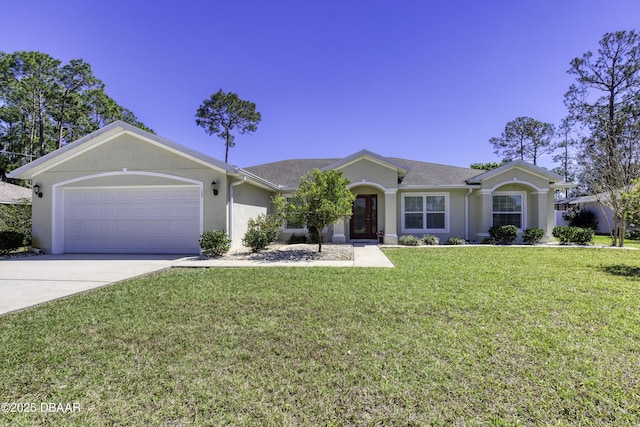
11, 194
603, 214
121, 189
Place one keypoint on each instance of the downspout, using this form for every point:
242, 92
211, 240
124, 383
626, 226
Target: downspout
233, 184
466, 214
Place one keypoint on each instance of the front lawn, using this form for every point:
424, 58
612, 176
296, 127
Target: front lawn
606, 240
452, 336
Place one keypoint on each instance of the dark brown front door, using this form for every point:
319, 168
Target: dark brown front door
364, 221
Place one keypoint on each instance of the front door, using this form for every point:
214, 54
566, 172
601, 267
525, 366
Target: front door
364, 221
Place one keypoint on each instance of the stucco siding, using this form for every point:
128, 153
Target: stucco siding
366, 170
515, 176
120, 163
248, 203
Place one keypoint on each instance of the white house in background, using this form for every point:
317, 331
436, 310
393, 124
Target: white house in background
123, 190
603, 214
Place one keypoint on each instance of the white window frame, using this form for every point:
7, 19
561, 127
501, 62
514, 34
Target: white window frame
523, 213
447, 213
286, 229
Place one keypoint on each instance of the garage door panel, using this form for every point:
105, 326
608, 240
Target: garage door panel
126, 220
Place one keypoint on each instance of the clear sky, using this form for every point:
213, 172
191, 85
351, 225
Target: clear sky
419, 79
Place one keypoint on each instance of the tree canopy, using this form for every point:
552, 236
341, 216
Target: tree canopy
524, 138
322, 199
605, 102
487, 166
224, 112
45, 104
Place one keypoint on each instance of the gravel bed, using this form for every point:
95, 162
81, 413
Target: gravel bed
297, 252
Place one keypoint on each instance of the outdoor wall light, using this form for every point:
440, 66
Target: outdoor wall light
36, 189
214, 187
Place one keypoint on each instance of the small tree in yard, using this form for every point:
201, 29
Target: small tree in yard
322, 198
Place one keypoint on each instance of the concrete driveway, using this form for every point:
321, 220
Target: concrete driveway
29, 281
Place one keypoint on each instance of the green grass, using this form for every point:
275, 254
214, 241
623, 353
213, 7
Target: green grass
452, 336
606, 240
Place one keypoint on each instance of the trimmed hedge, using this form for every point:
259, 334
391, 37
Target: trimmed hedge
504, 234
567, 234
533, 235
297, 238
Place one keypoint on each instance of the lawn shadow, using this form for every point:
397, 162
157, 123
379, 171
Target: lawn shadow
622, 270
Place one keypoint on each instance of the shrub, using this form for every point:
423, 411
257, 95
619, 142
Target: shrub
409, 240
567, 234
297, 238
10, 241
17, 218
583, 218
455, 240
533, 235
584, 236
215, 242
262, 231
504, 234
489, 241
255, 239
430, 240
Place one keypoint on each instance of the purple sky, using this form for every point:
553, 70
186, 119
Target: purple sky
418, 79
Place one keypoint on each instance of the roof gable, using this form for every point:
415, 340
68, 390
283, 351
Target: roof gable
103, 136
518, 164
371, 156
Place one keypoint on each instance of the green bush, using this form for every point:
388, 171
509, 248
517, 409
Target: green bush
215, 243
255, 239
533, 235
580, 217
504, 234
567, 234
17, 218
455, 240
262, 231
430, 240
297, 238
409, 240
489, 241
584, 236
10, 241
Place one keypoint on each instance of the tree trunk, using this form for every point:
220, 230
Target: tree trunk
319, 234
226, 151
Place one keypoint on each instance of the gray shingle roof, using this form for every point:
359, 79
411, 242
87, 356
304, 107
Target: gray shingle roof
434, 174
11, 194
287, 173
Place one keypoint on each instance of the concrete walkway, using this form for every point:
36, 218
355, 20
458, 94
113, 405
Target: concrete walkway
363, 256
33, 280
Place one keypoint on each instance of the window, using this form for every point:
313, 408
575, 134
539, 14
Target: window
508, 210
425, 212
290, 225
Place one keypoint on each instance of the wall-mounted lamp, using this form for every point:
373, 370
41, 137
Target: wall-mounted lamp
36, 189
214, 187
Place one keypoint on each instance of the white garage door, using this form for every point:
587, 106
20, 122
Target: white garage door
132, 220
